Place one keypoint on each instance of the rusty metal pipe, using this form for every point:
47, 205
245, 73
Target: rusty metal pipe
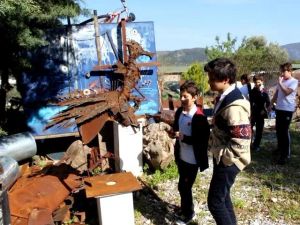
18, 146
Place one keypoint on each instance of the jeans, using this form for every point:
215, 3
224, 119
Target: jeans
219, 200
187, 176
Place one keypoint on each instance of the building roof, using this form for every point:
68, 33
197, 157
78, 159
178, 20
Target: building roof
296, 66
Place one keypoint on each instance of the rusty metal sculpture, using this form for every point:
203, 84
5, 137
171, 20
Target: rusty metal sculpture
92, 111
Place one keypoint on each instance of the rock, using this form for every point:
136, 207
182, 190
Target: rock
158, 147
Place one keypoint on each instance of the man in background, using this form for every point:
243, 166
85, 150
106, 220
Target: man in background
259, 101
285, 99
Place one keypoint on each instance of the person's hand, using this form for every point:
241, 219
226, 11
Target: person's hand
280, 79
263, 113
179, 135
172, 134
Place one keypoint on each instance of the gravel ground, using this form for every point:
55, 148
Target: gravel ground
156, 207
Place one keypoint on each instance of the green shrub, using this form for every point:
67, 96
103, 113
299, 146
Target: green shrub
159, 176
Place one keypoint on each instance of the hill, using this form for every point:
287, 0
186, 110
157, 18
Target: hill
181, 57
293, 50
185, 57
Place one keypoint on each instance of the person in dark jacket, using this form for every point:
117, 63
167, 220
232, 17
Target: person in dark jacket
191, 130
260, 101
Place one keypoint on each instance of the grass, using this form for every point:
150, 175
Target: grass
2, 132
172, 68
279, 186
239, 203
153, 179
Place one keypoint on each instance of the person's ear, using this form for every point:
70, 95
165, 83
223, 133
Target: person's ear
226, 81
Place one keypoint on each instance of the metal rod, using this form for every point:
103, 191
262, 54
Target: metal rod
74, 134
112, 45
123, 32
97, 37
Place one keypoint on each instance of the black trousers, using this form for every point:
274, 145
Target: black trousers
187, 176
283, 121
219, 200
259, 123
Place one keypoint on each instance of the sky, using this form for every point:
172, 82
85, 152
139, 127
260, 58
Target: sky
185, 24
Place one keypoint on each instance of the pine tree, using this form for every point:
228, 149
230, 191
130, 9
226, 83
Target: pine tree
23, 24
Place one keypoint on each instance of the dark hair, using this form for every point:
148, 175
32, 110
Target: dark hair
190, 87
286, 67
221, 69
258, 77
245, 77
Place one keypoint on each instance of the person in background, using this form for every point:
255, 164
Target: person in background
170, 102
191, 130
230, 138
260, 102
285, 99
246, 86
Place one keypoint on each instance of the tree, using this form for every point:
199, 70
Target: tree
256, 55
224, 49
23, 24
253, 55
196, 73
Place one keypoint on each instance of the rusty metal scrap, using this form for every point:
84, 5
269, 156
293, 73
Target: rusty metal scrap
47, 195
98, 107
36, 195
40, 216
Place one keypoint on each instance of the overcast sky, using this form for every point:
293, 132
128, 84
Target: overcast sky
195, 23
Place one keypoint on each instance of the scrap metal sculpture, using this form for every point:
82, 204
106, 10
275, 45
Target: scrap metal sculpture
92, 109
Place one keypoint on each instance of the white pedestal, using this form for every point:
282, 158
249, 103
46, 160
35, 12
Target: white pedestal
116, 209
128, 148
113, 193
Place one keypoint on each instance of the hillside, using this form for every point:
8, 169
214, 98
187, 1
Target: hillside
181, 57
293, 50
184, 57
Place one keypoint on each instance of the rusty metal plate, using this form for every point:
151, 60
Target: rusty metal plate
41, 191
40, 217
90, 129
111, 184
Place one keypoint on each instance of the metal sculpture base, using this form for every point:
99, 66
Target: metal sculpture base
116, 209
128, 149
